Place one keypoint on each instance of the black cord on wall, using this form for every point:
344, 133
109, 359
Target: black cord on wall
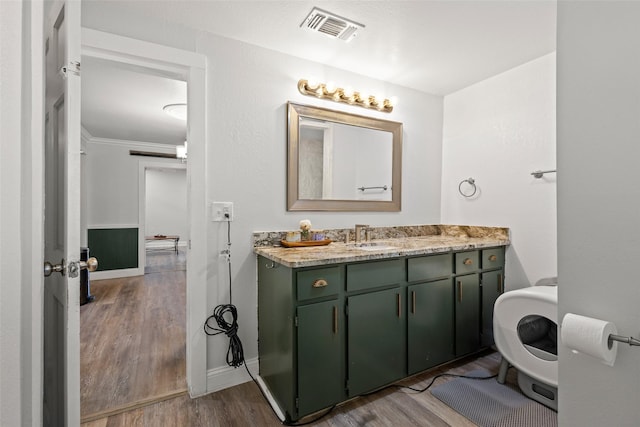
224, 319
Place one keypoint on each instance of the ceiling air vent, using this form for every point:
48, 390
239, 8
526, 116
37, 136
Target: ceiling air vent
330, 24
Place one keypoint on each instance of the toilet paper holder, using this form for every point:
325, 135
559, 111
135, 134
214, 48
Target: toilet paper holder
627, 340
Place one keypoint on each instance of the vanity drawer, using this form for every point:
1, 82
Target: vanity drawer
492, 258
467, 262
318, 283
374, 274
429, 267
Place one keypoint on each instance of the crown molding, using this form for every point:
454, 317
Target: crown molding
90, 139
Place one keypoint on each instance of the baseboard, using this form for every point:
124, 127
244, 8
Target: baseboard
116, 274
267, 394
130, 406
227, 376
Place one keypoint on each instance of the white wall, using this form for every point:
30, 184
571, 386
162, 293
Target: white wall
366, 160
166, 203
598, 203
248, 88
498, 131
248, 133
112, 181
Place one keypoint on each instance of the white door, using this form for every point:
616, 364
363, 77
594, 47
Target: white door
598, 124
61, 394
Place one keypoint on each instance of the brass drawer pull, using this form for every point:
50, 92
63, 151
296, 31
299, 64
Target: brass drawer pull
467, 261
493, 258
319, 283
413, 302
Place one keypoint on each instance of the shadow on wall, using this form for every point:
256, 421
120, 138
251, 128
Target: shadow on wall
516, 278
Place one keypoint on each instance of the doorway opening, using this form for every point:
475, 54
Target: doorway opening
163, 294
165, 218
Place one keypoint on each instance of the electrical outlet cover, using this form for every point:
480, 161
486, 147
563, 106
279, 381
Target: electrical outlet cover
222, 211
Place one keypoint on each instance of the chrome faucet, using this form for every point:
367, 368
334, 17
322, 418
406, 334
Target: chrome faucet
359, 228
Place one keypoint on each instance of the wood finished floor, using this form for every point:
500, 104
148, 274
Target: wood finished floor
244, 405
132, 338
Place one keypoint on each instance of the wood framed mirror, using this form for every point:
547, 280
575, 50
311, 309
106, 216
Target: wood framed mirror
342, 162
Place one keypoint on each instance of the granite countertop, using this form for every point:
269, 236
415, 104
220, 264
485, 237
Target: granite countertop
337, 252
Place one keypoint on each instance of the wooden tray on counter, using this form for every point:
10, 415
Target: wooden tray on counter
305, 243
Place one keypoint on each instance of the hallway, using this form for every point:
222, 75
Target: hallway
132, 337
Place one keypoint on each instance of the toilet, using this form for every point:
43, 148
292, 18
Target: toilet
525, 327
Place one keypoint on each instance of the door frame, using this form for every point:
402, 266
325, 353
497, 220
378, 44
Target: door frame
190, 67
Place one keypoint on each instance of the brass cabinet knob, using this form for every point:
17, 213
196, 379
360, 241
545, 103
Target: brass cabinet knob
320, 283
467, 261
493, 258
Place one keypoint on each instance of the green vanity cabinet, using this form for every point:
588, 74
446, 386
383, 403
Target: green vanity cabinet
330, 332
430, 326
301, 336
475, 296
492, 279
493, 258
366, 276
492, 287
376, 318
467, 262
276, 332
376, 340
430, 315
467, 292
320, 356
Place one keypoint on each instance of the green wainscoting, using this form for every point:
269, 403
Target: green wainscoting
115, 248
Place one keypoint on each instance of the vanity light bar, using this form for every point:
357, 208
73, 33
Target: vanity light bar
341, 95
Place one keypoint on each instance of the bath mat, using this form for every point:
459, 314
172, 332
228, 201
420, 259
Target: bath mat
490, 404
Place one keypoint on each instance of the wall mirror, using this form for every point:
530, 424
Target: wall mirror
342, 162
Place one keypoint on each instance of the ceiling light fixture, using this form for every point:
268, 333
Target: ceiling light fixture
337, 94
179, 111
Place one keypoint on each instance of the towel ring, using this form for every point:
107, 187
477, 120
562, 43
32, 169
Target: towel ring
472, 183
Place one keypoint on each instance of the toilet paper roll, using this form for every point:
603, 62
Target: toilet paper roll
589, 336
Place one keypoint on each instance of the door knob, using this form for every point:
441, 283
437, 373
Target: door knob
91, 264
51, 268
75, 267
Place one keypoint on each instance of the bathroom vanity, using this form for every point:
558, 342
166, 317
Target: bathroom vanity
342, 320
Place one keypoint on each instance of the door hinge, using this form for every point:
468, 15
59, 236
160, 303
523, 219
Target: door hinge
297, 403
73, 67
295, 321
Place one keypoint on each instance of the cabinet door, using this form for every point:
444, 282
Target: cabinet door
321, 377
492, 287
430, 324
376, 340
467, 314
